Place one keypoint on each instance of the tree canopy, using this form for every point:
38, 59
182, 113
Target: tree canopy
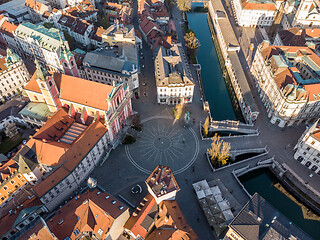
191, 41
184, 5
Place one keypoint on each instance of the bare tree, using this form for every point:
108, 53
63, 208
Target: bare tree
192, 42
184, 5
10, 130
206, 127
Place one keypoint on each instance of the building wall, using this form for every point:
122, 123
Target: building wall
10, 119
281, 111
109, 77
232, 235
10, 186
117, 226
253, 17
303, 18
175, 94
13, 79
63, 189
307, 150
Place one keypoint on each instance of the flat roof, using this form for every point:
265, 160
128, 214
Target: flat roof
15, 7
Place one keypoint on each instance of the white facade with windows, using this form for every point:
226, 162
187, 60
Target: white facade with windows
308, 14
307, 150
288, 85
173, 77
13, 75
253, 13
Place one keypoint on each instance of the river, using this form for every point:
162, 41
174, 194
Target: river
221, 106
262, 181
214, 86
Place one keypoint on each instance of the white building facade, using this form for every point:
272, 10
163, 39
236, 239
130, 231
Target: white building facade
48, 46
173, 77
307, 15
252, 13
288, 83
13, 75
307, 150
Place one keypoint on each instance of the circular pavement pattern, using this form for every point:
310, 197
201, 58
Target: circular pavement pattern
163, 142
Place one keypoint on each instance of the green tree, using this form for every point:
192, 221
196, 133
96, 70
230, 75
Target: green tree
102, 20
184, 5
206, 127
70, 40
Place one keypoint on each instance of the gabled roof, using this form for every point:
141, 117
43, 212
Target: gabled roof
147, 208
70, 156
76, 90
88, 212
8, 28
10, 220
171, 223
38, 231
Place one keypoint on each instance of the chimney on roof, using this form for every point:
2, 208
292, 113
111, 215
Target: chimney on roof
44, 140
134, 214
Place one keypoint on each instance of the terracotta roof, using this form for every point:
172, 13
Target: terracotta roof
162, 181
75, 24
7, 168
39, 231
72, 157
312, 32
8, 28
258, 6
8, 221
82, 9
35, 5
171, 217
76, 90
147, 208
2, 66
96, 33
88, 212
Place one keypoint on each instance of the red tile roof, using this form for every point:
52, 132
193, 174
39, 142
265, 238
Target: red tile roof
135, 221
8, 28
7, 222
72, 157
39, 231
77, 90
88, 212
258, 6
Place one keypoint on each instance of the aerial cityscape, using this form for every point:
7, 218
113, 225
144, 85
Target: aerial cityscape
160, 119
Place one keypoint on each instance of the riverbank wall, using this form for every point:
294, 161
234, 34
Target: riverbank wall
285, 179
230, 48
